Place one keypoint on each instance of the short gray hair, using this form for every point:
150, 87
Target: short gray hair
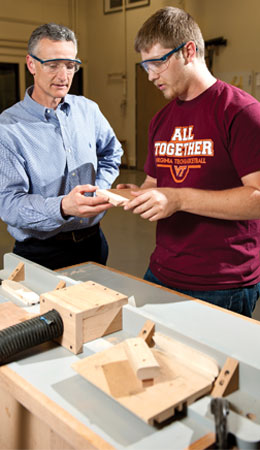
53, 32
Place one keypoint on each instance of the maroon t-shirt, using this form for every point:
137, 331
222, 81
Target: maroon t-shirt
207, 143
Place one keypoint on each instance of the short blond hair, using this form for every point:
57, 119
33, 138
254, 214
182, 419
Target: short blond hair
169, 27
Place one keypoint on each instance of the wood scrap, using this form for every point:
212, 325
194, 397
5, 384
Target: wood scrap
117, 197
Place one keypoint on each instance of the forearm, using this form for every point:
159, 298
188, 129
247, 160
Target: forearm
149, 183
241, 203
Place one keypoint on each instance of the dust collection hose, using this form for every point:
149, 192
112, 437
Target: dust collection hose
29, 333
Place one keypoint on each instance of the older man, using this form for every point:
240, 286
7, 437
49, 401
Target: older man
56, 149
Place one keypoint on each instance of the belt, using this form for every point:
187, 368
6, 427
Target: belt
77, 235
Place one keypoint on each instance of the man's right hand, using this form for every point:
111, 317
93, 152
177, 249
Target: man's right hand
77, 204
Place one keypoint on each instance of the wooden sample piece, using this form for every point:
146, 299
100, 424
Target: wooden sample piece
21, 292
117, 197
179, 382
88, 310
11, 314
227, 381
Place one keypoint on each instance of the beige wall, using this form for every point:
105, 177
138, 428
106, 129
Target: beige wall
109, 35
106, 46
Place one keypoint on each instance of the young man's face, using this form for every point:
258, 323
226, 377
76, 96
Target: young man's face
50, 88
171, 76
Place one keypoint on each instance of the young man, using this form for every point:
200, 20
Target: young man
203, 171
56, 149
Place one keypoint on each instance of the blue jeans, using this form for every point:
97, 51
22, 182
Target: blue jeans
240, 300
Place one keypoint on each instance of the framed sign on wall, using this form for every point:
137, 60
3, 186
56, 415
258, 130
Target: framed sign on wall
111, 6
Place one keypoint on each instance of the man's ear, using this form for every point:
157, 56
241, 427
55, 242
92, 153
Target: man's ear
190, 51
30, 64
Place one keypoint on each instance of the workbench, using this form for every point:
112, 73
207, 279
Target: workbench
45, 404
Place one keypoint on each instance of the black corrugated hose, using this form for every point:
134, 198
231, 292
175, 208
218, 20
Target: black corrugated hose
29, 333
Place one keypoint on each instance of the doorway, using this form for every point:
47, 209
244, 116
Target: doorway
149, 100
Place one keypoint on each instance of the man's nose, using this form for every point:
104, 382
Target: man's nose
62, 71
152, 75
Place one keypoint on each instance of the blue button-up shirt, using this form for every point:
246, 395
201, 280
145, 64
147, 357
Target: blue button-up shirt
44, 154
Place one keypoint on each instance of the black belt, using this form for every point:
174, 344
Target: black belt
77, 235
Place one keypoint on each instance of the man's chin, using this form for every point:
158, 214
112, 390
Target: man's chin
60, 91
168, 95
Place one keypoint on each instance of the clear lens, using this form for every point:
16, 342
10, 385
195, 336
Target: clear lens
55, 66
155, 66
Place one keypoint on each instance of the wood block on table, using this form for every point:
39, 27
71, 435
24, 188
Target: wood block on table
88, 310
117, 197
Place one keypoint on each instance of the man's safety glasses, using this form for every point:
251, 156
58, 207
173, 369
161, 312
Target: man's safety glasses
54, 65
158, 65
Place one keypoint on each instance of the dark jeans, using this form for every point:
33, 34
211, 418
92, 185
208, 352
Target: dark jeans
240, 300
55, 254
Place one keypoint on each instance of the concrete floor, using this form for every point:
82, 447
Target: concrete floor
130, 238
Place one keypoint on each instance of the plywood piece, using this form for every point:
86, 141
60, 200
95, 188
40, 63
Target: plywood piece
188, 355
175, 386
21, 292
141, 359
147, 332
11, 314
18, 274
227, 381
88, 310
206, 441
117, 197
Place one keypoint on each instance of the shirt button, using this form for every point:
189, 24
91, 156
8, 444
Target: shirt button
68, 150
81, 221
73, 174
48, 111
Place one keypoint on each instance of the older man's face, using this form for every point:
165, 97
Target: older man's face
50, 88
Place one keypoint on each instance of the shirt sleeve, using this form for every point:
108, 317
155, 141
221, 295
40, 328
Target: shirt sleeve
18, 207
245, 140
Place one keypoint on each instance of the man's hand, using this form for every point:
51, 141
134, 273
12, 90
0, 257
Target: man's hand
155, 204
77, 204
127, 186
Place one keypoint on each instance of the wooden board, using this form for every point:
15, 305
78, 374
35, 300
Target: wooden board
179, 382
11, 314
117, 197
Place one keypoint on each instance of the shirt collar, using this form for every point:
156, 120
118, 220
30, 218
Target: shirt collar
39, 110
